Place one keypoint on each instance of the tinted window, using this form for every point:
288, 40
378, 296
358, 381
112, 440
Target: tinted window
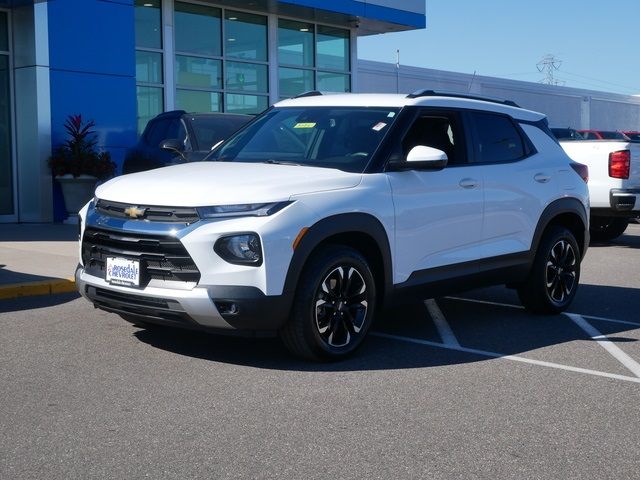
497, 139
210, 130
613, 136
156, 132
437, 131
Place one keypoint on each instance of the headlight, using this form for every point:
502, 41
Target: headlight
244, 210
240, 249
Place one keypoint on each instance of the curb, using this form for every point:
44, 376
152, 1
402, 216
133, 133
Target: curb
32, 289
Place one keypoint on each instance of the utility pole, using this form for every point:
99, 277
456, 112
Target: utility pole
549, 64
398, 71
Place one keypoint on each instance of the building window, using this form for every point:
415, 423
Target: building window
312, 57
198, 60
149, 61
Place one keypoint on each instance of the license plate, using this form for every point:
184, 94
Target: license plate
122, 271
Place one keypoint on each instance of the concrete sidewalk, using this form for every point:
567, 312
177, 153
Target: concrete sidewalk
37, 259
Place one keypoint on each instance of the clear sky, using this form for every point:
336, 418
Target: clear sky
598, 41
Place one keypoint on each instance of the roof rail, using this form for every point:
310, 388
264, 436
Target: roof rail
433, 93
310, 93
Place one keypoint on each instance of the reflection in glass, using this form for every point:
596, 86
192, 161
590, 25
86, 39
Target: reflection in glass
150, 104
197, 29
148, 24
246, 77
194, 101
249, 104
148, 67
198, 72
246, 36
333, 48
294, 81
333, 82
4, 32
295, 43
6, 170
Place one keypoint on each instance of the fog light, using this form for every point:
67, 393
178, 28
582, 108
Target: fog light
227, 308
240, 249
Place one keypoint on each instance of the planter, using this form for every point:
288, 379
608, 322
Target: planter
76, 192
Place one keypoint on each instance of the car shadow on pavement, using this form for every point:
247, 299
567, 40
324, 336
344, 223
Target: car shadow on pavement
30, 303
625, 240
504, 330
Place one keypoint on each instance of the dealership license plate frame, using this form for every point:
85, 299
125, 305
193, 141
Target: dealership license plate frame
126, 281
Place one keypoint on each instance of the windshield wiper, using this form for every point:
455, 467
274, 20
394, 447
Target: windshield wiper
271, 161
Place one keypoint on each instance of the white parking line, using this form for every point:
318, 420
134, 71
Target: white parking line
506, 357
447, 335
520, 307
607, 344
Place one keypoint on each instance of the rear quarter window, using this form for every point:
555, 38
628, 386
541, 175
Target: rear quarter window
497, 139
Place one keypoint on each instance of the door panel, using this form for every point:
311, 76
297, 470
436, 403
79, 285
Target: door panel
438, 220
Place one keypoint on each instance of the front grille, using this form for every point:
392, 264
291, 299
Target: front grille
150, 213
147, 307
161, 257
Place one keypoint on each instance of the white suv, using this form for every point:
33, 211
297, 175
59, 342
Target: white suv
326, 206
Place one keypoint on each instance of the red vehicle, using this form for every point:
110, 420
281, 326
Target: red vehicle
635, 136
603, 135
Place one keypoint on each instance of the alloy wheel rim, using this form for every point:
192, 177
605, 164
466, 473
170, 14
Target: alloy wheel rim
341, 306
560, 272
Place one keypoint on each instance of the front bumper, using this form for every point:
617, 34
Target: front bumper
221, 309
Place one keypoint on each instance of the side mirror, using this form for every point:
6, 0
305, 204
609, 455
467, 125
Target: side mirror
173, 145
421, 157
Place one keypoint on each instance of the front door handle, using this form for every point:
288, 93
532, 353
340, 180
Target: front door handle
468, 183
542, 178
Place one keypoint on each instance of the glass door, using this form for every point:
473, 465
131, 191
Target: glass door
7, 167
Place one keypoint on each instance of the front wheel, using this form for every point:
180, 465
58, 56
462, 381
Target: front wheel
603, 229
553, 280
333, 307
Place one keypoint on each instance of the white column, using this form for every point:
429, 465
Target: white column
169, 61
272, 32
354, 60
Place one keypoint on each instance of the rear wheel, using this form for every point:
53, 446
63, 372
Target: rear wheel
333, 307
607, 228
553, 280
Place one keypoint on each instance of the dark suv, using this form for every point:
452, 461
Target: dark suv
178, 136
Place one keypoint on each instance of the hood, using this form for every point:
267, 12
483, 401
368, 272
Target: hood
223, 183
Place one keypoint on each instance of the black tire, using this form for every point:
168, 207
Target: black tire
603, 229
341, 279
553, 280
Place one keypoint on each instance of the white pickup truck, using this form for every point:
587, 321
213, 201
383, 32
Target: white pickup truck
614, 183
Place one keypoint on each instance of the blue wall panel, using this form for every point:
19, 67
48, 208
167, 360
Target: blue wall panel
365, 10
92, 70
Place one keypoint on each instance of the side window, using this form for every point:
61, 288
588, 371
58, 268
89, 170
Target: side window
438, 131
156, 133
497, 138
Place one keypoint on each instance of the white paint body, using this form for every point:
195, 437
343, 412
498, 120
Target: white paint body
595, 154
431, 218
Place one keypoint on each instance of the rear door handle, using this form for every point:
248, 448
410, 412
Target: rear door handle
542, 178
468, 183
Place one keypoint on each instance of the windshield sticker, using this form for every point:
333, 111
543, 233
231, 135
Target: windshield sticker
305, 125
391, 114
378, 126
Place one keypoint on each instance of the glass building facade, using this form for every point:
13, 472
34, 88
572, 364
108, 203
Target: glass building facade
211, 58
122, 62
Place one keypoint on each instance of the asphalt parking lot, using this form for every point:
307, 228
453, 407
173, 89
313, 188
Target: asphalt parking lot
468, 386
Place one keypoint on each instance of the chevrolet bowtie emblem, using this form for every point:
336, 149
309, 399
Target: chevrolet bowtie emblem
135, 212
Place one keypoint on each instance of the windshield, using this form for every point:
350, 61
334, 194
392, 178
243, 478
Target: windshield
344, 138
209, 130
